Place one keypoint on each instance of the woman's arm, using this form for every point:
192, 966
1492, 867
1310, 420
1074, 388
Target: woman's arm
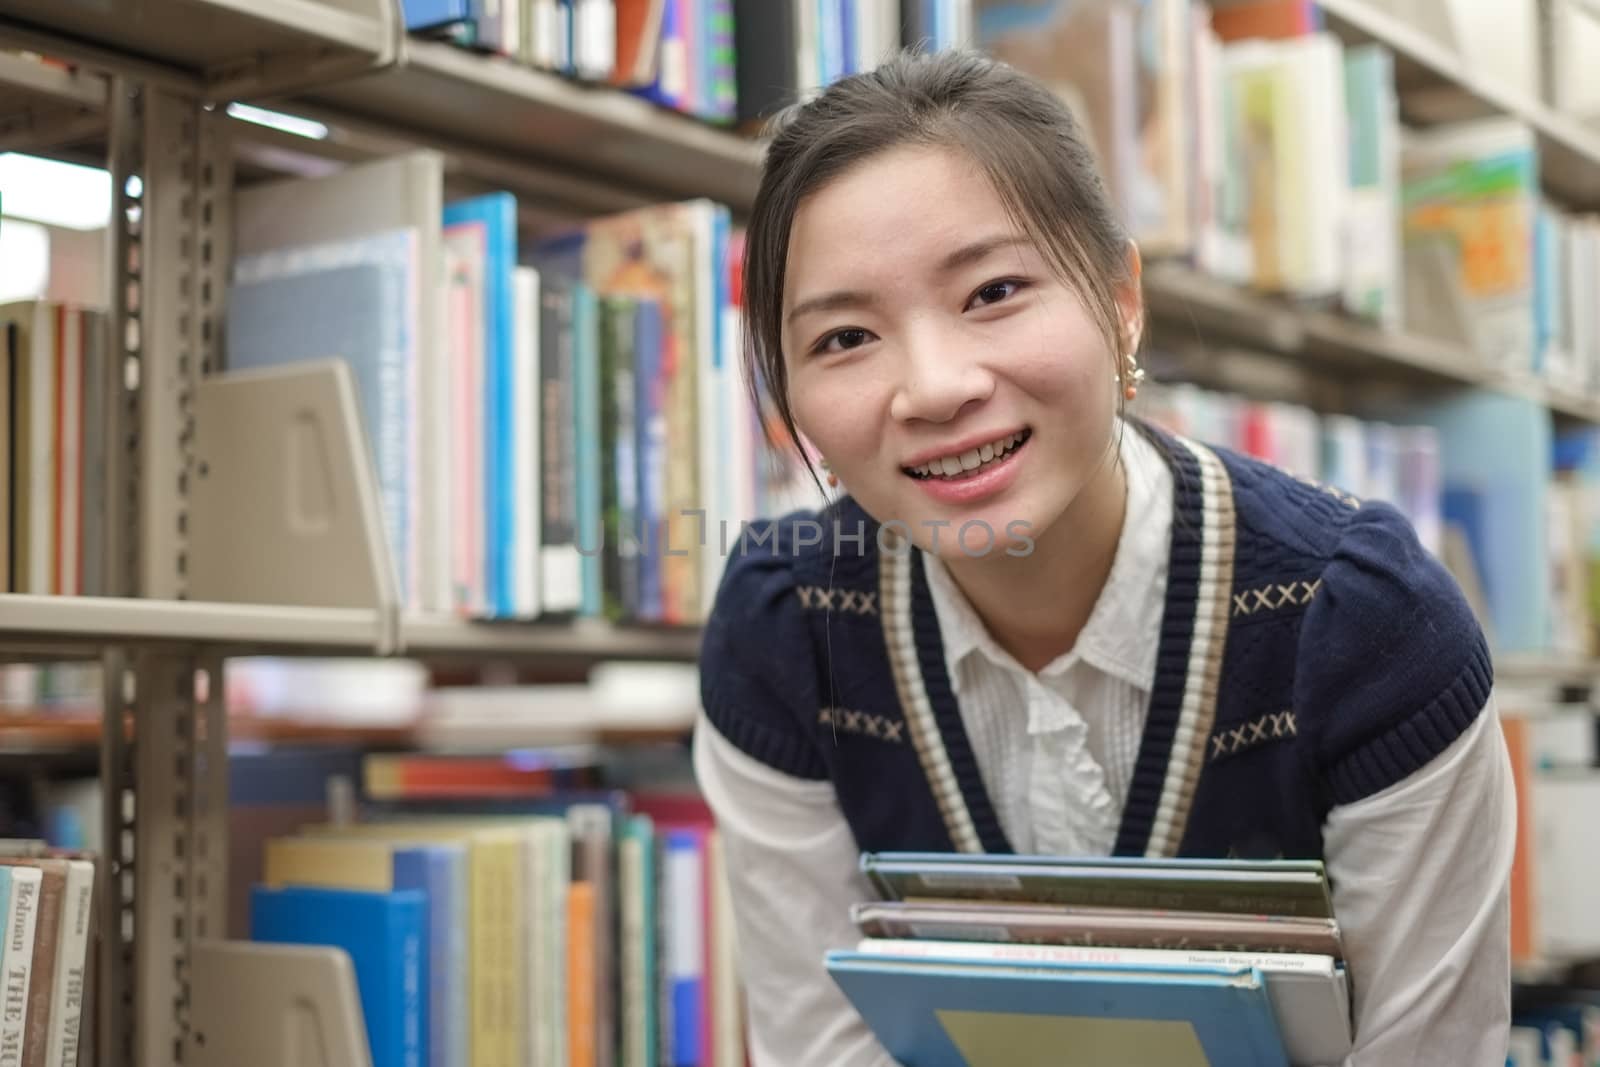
793, 874
1421, 875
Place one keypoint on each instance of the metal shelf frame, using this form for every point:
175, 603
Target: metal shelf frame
160, 68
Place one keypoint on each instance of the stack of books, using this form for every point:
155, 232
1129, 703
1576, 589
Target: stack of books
976, 960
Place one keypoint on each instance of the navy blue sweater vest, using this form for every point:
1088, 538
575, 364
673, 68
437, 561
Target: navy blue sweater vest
1312, 653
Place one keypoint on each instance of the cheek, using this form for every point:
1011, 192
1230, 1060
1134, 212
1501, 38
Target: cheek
839, 413
1070, 370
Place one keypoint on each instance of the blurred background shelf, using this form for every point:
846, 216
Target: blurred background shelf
1436, 85
212, 41
438, 91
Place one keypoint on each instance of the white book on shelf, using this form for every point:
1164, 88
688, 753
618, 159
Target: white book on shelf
525, 434
403, 192
72, 953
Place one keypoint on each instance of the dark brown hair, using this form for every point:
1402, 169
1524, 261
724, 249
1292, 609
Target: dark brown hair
1027, 142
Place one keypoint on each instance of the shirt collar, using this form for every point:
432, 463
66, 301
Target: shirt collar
1123, 631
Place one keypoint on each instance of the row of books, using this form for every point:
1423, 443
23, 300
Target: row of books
579, 928
1558, 1034
1368, 459
1507, 502
57, 382
960, 951
1249, 140
47, 908
560, 427
718, 60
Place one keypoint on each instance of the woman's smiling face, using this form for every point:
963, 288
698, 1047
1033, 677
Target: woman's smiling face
945, 372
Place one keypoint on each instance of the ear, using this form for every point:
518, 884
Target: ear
1130, 301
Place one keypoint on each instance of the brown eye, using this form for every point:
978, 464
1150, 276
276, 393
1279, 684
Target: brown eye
844, 340
994, 293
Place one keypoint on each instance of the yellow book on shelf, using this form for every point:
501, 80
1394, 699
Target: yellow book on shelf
329, 864
498, 931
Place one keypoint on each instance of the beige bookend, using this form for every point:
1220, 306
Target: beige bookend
260, 1005
284, 507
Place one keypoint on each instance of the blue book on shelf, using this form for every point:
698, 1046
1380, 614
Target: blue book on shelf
440, 872
434, 14
944, 1013
497, 214
386, 937
683, 858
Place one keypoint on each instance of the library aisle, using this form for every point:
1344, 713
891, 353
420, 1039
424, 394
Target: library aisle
375, 435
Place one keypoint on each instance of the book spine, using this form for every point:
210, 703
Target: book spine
1146, 957
46, 950
1093, 892
582, 1020
525, 448
685, 944
66, 1011
21, 935
560, 570
495, 968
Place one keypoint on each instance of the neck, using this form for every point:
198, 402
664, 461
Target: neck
1035, 606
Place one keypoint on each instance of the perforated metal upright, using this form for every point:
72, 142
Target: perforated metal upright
164, 750
164, 745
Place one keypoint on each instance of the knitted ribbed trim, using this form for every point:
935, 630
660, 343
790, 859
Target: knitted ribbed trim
896, 570
1173, 653
1409, 746
1206, 650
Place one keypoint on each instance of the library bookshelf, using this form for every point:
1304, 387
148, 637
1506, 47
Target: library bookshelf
145, 98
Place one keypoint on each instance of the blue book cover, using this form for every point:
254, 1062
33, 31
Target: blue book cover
666, 90
684, 966
497, 214
938, 1013
439, 872
386, 937
5, 904
1490, 448
433, 14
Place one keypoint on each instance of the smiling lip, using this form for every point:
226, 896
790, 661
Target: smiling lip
970, 442
987, 481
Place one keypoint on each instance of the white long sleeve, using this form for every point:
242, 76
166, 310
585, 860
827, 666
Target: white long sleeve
1421, 887
792, 874
1420, 878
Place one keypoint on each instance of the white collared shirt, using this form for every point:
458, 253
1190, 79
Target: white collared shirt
1420, 871
1056, 775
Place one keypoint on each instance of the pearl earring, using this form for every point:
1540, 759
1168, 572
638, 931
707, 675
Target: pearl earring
1134, 376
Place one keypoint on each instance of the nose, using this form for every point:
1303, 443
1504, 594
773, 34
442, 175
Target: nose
941, 377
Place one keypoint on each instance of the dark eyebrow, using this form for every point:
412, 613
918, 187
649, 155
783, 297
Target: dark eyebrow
838, 300
976, 252
965, 256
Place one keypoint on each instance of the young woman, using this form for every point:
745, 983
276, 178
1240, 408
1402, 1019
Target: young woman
1035, 624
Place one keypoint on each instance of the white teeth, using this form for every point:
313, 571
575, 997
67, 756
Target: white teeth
972, 459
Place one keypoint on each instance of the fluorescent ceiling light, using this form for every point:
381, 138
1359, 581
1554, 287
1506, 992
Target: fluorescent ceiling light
52, 192
277, 120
